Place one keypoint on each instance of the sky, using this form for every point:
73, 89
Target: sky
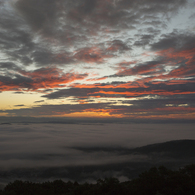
97, 58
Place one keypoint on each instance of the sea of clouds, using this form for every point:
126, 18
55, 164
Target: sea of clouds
56, 145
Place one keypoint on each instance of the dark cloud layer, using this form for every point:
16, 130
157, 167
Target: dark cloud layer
73, 22
68, 22
175, 40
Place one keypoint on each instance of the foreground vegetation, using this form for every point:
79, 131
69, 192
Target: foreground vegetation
156, 181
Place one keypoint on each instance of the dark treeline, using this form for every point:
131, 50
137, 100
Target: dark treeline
156, 181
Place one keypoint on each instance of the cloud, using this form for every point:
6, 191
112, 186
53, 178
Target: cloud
39, 101
131, 89
144, 40
178, 50
175, 40
112, 13
117, 46
39, 14
91, 55
160, 104
147, 68
59, 109
9, 66
71, 23
49, 17
19, 105
97, 79
50, 77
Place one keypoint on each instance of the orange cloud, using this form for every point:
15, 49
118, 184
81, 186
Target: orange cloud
147, 68
175, 57
171, 53
40, 79
97, 79
106, 86
139, 93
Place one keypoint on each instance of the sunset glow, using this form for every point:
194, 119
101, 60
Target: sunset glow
99, 59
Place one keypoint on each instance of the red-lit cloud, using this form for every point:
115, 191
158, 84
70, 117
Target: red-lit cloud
43, 78
143, 69
97, 79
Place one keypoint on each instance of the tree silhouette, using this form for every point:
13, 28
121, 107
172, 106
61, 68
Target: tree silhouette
155, 181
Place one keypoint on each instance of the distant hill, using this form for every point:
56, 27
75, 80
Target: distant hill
176, 149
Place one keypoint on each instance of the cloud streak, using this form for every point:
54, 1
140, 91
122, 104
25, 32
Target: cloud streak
42, 78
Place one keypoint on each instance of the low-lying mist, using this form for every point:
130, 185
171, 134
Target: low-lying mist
84, 152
